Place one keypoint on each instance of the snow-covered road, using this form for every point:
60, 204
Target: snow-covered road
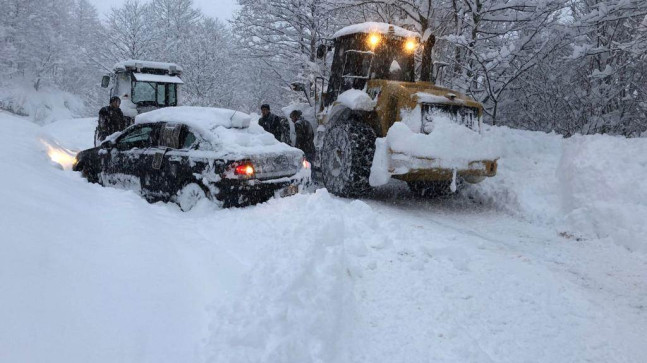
97, 274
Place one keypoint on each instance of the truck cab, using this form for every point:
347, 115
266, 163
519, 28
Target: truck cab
143, 86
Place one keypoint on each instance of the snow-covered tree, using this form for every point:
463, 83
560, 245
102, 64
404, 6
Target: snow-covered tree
282, 36
131, 32
210, 74
594, 80
173, 22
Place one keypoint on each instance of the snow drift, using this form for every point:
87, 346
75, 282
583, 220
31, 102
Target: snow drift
604, 194
298, 299
585, 186
42, 106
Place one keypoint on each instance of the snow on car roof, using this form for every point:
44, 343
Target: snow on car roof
205, 118
228, 130
159, 78
375, 27
133, 63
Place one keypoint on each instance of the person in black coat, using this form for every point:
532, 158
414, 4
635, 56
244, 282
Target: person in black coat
305, 137
277, 126
111, 120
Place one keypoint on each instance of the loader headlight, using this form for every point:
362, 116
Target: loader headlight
374, 40
411, 45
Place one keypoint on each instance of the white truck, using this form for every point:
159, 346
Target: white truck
143, 85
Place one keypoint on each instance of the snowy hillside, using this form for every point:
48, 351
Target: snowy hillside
547, 262
42, 106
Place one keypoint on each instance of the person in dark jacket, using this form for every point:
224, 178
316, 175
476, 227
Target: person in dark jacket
277, 126
305, 139
111, 120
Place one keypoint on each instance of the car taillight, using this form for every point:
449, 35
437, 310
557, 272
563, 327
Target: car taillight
246, 169
306, 164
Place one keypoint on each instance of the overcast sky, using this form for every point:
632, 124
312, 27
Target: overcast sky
222, 9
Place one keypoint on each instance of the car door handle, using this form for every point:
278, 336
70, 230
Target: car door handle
158, 158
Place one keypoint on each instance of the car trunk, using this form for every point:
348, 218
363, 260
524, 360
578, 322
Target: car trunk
274, 165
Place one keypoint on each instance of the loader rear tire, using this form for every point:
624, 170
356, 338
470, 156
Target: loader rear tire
346, 158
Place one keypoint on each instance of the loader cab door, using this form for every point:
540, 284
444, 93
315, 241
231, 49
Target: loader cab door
350, 67
356, 70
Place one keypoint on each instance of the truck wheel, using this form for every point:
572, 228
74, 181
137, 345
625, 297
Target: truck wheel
430, 189
189, 196
346, 158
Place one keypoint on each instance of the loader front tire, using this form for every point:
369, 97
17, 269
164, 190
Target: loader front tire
346, 158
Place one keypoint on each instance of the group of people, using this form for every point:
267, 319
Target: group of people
112, 120
280, 128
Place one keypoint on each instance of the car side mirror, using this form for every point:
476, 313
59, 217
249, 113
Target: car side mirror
105, 81
108, 144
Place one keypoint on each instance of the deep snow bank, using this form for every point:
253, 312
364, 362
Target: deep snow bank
604, 193
298, 300
93, 274
586, 186
41, 106
74, 134
526, 182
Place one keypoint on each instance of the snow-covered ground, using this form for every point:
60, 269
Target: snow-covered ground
536, 265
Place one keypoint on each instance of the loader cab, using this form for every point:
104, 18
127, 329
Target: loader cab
144, 86
371, 51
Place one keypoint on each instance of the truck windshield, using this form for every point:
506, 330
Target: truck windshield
151, 93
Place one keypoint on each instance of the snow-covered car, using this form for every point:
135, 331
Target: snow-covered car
183, 154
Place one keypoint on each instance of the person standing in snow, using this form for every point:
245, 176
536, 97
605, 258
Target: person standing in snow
111, 120
305, 139
277, 126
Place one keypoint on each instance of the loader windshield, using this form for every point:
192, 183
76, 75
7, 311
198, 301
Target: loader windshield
393, 61
360, 57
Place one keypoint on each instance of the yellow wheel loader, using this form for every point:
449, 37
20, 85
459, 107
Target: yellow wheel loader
377, 59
